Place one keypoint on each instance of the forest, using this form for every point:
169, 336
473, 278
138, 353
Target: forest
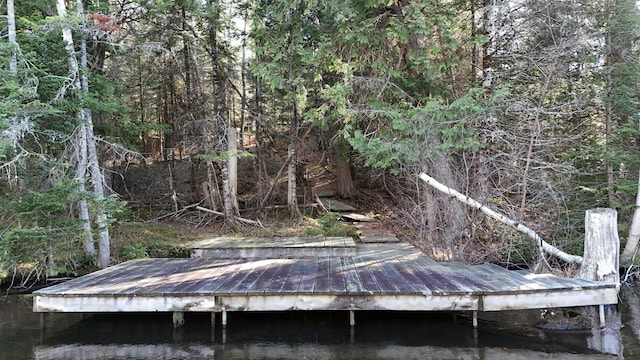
140, 111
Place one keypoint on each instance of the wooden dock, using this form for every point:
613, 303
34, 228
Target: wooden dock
225, 247
394, 277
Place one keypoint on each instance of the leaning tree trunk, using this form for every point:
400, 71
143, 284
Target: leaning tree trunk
631, 248
543, 246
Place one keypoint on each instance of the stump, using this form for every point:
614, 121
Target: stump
601, 246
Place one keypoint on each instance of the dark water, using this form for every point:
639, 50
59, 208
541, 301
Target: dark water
303, 335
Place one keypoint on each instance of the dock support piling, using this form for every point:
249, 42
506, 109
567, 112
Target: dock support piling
475, 319
603, 322
178, 319
352, 318
224, 318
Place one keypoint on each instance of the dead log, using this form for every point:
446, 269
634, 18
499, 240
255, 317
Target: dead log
237, 218
542, 245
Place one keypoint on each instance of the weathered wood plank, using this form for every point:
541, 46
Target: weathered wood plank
162, 282
210, 280
241, 271
253, 275
408, 271
277, 282
353, 284
99, 276
367, 279
295, 277
264, 280
386, 285
207, 279
322, 284
337, 276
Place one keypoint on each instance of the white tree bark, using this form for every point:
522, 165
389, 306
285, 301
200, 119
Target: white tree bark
232, 147
81, 173
633, 239
542, 245
104, 256
80, 84
11, 24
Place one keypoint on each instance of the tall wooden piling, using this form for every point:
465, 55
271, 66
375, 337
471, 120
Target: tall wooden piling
601, 260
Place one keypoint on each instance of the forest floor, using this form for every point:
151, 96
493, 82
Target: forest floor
162, 195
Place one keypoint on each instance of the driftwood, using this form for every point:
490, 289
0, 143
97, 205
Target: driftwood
542, 245
246, 221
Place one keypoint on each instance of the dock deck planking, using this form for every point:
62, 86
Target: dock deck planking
283, 273
322, 278
337, 276
203, 277
367, 279
295, 278
352, 282
379, 277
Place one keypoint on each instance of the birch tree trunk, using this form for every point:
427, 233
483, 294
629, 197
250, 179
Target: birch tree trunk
81, 173
81, 85
633, 239
11, 24
104, 256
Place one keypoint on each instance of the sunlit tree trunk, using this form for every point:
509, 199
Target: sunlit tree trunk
81, 86
11, 23
633, 239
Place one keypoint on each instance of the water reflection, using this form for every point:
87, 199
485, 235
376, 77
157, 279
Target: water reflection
302, 336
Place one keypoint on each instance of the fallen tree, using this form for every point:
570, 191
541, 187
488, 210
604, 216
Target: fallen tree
543, 246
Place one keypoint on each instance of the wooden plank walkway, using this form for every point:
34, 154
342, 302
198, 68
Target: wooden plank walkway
377, 277
275, 247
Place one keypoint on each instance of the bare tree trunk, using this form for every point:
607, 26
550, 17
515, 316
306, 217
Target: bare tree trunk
80, 84
608, 128
601, 246
232, 167
633, 239
489, 25
11, 23
292, 201
344, 182
81, 173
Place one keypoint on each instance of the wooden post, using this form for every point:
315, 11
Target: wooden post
475, 319
601, 246
352, 318
224, 318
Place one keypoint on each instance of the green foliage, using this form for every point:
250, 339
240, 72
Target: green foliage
39, 238
412, 136
330, 225
133, 250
